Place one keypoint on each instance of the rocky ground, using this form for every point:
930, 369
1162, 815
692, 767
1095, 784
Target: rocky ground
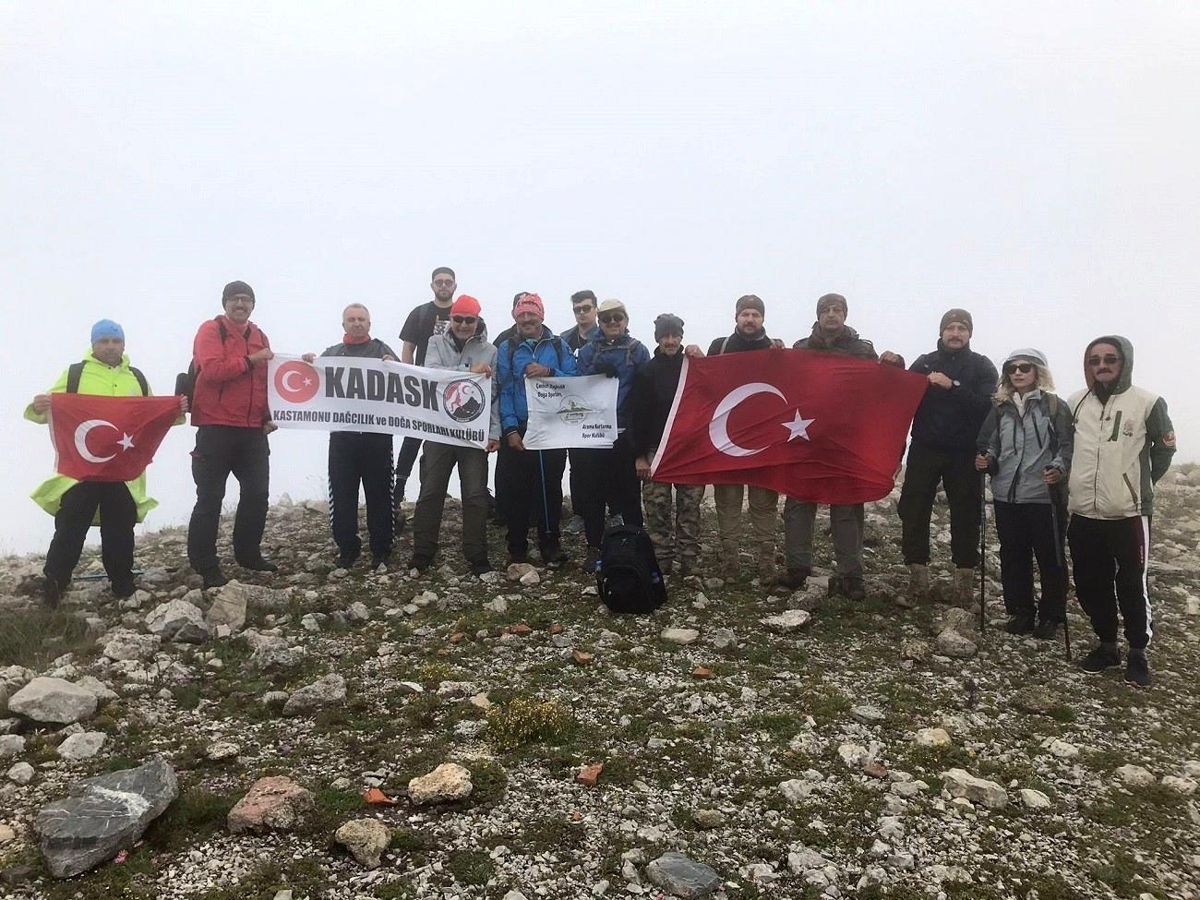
344, 734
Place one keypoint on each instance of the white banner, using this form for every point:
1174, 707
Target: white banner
574, 411
347, 393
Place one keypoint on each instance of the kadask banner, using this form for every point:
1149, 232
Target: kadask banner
571, 411
342, 393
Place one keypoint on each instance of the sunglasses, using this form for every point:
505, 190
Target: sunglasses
608, 318
1023, 368
1109, 360
583, 308
464, 320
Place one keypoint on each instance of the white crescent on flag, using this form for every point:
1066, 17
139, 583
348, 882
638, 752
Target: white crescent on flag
718, 428
81, 434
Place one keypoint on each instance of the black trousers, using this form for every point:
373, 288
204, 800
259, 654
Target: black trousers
410, 448
360, 457
1109, 561
606, 479
534, 481
924, 470
222, 450
1026, 533
118, 515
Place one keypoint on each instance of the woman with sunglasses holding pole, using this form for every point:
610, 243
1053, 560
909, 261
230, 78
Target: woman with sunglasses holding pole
1025, 444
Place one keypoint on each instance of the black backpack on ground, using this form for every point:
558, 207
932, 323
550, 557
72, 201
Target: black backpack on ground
628, 575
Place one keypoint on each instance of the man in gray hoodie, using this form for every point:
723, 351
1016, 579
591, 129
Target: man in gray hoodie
1124, 442
465, 347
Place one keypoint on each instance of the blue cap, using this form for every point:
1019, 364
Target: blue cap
107, 328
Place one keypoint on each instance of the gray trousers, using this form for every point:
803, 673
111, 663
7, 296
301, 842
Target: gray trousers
437, 461
846, 522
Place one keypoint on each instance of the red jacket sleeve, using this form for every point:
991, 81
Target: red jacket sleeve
208, 352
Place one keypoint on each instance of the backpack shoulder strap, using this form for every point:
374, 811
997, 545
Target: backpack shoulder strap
74, 373
724, 344
141, 380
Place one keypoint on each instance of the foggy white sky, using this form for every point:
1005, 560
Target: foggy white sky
1036, 165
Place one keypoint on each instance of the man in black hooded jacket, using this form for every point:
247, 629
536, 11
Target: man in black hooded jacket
944, 432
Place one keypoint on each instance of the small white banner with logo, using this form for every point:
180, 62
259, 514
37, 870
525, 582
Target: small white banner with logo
576, 411
346, 393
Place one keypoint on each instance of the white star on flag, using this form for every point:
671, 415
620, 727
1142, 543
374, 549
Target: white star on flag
126, 441
798, 427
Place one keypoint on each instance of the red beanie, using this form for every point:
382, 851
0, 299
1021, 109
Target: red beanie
465, 305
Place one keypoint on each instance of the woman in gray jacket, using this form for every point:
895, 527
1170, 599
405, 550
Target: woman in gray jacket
1025, 443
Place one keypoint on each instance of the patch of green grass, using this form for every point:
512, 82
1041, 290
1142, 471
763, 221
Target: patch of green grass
1148, 807
132, 879
303, 876
195, 814
187, 696
524, 720
1123, 874
550, 833
489, 781
470, 866
332, 807
33, 637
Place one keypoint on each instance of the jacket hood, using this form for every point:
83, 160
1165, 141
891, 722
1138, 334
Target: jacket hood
1125, 379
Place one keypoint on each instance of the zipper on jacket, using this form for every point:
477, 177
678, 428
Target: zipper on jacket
1137, 506
1116, 429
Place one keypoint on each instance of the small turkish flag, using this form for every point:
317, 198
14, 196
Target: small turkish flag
108, 438
820, 427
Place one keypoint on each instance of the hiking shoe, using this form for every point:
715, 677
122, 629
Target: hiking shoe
591, 561
964, 586
379, 564
574, 525
515, 559
123, 588
1046, 630
1103, 656
214, 578
849, 586
918, 584
259, 565
482, 567
51, 593
795, 579
552, 554
420, 563
1137, 669
1019, 625
346, 560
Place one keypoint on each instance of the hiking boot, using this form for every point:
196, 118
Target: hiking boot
918, 584
1046, 630
1137, 669
420, 563
552, 554
347, 560
591, 562
796, 579
1103, 656
964, 586
214, 578
259, 565
518, 559
482, 567
1019, 624
379, 564
574, 525
51, 593
849, 586
688, 567
123, 588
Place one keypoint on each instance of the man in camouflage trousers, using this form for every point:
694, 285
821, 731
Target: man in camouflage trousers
653, 392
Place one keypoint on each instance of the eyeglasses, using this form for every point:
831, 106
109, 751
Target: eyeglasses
464, 320
1023, 368
608, 318
1109, 360
583, 308
443, 282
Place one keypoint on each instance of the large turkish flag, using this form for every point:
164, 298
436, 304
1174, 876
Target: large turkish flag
108, 438
820, 427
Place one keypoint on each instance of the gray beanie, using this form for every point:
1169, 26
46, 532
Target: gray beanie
667, 323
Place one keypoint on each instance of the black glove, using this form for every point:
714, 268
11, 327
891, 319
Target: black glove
607, 369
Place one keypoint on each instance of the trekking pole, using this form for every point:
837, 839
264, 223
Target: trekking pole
982, 552
1058, 558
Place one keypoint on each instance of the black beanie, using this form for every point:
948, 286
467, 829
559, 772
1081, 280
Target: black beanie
236, 287
961, 316
667, 323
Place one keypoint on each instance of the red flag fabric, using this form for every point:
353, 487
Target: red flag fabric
108, 438
819, 427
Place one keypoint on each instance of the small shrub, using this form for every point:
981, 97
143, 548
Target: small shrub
527, 721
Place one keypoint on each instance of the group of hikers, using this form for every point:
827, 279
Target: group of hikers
1081, 470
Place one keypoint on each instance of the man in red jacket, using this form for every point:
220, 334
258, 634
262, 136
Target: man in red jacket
229, 410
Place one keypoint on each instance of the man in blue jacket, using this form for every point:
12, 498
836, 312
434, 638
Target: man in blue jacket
607, 477
535, 476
